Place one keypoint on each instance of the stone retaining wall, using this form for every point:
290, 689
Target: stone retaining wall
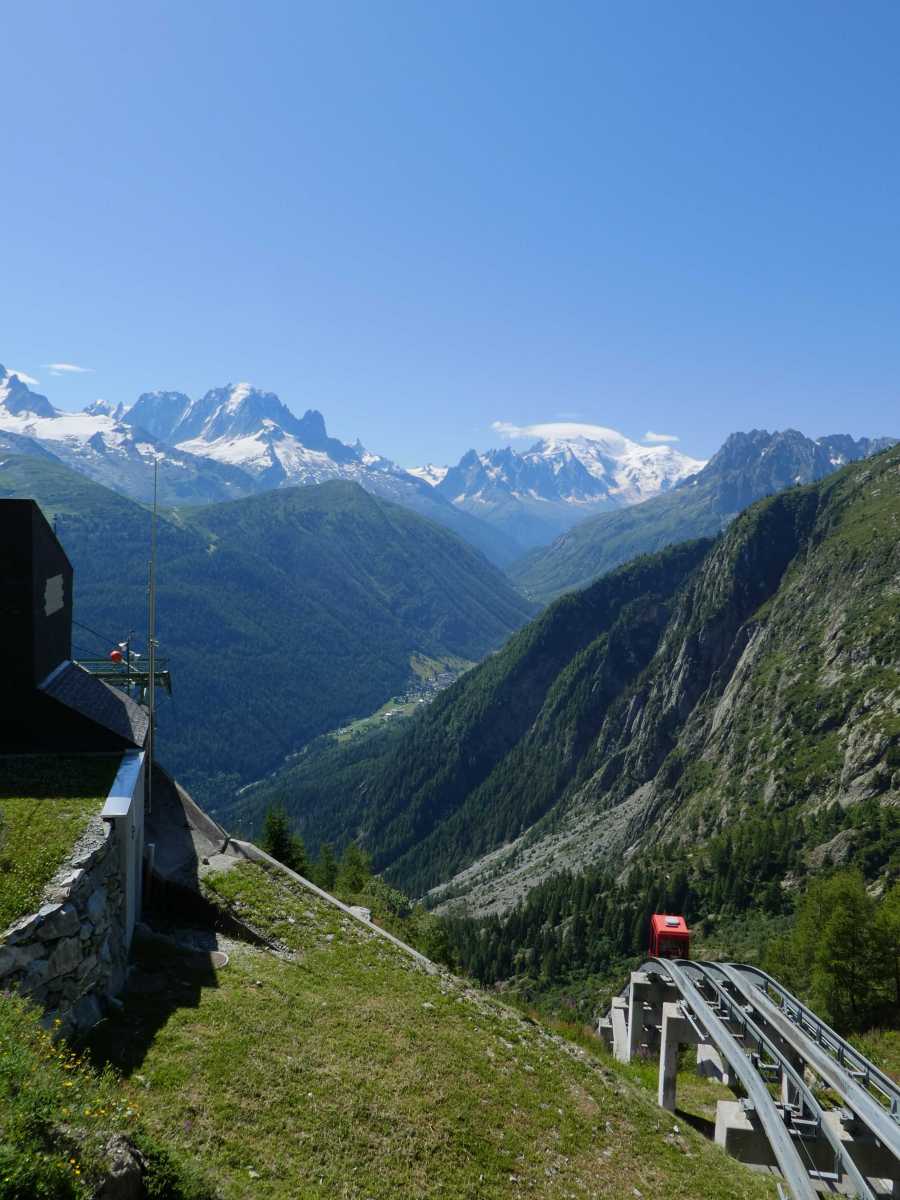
70, 956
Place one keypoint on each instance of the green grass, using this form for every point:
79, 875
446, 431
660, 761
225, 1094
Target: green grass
882, 1047
45, 806
337, 1068
397, 707
695, 1096
57, 1113
426, 667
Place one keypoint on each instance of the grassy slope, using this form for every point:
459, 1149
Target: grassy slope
57, 1115
337, 1068
45, 806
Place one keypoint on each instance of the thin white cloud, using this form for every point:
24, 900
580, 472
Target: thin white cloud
561, 430
650, 436
67, 369
25, 378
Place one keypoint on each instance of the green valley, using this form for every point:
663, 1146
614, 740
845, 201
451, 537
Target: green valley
283, 615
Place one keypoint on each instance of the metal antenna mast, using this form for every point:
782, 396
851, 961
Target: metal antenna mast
151, 639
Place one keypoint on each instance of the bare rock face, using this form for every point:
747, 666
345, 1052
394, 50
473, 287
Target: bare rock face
125, 1172
772, 688
834, 852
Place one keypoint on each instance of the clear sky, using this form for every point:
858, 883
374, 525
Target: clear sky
425, 217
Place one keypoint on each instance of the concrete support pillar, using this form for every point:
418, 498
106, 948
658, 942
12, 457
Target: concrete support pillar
711, 1065
646, 995
739, 1133
875, 1162
605, 1032
789, 1094
618, 1015
677, 1031
638, 989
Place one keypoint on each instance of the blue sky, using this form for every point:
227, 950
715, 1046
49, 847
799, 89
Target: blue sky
423, 218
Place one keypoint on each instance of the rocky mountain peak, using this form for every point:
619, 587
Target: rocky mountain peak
103, 408
757, 463
158, 412
16, 398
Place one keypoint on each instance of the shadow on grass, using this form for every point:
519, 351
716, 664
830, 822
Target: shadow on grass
164, 977
171, 959
702, 1124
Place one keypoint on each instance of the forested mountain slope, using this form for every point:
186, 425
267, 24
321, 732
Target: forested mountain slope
748, 467
492, 753
282, 614
717, 686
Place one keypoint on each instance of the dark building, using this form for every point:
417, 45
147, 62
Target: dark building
48, 702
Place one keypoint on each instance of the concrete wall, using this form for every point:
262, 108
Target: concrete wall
71, 955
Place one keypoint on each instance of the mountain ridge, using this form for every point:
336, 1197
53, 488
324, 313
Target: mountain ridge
748, 467
555, 484
229, 445
764, 678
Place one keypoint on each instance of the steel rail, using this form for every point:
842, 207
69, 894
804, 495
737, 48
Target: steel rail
876, 1118
844, 1163
824, 1036
786, 1154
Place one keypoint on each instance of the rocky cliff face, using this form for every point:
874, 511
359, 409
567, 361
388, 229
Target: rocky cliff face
775, 684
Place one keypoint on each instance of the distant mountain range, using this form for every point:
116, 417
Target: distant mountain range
238, 440
233, 442
581, 500
569, 474
748, 467
100, 444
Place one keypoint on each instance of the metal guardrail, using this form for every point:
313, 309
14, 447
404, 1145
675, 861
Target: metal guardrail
844, 1164
886, 1091
120, 674
786, 1154
775, 1034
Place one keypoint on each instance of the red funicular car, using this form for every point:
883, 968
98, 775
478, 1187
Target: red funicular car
669, 937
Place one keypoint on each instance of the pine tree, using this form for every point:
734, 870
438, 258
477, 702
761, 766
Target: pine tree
355, 871
326, 868
279, 840
845, 955
887, 937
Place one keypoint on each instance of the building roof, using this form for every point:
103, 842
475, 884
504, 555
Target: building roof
77, 689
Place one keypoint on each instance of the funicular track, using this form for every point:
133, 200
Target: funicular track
751, 1031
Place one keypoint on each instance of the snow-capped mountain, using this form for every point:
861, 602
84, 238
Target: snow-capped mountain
241, 426
244, 428
232, 442
569, 474
99, 444
429, 473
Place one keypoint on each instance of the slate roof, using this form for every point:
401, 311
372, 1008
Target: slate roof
77, 689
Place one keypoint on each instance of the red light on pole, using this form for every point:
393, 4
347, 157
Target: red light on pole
115, 655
